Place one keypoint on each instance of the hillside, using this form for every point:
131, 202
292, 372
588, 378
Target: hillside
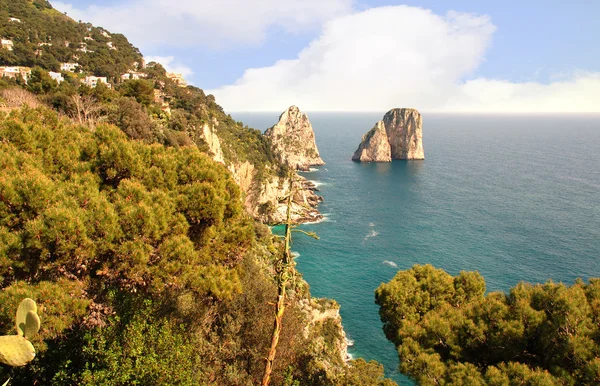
44, 37
122, 213
96, 76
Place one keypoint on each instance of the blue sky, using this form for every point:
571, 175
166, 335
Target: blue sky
539, 42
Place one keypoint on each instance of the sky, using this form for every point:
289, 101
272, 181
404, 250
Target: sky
370, 55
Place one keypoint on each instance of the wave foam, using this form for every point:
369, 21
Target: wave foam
324, 219
371, 234
317, 183
390, 263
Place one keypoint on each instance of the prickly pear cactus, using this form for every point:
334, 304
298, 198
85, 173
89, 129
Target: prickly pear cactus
16, 350
32, 325
27, 305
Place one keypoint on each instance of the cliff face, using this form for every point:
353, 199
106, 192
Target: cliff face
293, 140
213, 142
375, 146
264, 196
404, 128
398, 136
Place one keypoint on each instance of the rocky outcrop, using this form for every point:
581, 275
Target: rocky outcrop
213, 142
264, 197
293, 140
375, 146
265, 192
324, 328
404, 128
398, 136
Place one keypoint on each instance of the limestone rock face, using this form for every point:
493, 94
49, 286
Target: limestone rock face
404, 129
293, 140
398, 136
213, 142
375, 146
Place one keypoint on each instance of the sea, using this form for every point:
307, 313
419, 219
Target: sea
514, 197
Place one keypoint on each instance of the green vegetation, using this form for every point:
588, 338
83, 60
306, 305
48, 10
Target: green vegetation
47, 38
132, 240
17, 350
449, 333
144, 264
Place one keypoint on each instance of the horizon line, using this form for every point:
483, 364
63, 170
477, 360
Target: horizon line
428, 112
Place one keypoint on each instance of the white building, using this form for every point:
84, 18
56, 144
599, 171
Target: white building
57, 76
14, 19
110, 46
71, 67
133, 75
84, 48
7, 44
14, 72
92, 81
105, 34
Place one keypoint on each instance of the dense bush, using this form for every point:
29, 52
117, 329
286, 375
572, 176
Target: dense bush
449, 333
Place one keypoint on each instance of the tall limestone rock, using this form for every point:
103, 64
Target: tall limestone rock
293, 140
404, 128
375, 146
398, 136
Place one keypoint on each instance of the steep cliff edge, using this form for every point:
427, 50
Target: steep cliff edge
293, 140
264, 188
398, 136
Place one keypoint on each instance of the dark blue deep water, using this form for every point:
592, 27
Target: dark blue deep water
516, 198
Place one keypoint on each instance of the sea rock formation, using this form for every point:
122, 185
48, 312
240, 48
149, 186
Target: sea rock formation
404, 128
293, 140
403, 138
375, 146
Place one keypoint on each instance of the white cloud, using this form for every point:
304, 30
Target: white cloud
401, 57
580, 92
207, 23
383, 57
171, 64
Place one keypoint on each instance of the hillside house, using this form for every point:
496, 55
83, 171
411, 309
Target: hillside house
71, 67
111, 46
7, 44
92, 81
133, 76
44, 44
14, 19
15, 72
57, 76
177, 78
161, 98
140, 65
84, 48
105, 34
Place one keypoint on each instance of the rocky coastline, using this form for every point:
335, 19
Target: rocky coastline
292, 141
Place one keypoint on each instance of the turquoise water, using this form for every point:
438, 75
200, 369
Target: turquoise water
516, 198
